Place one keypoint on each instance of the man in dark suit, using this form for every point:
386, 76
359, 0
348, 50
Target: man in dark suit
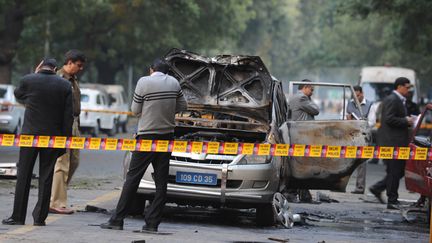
393, 132
48, 101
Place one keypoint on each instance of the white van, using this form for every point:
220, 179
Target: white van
377, 82
119, 103
92, 102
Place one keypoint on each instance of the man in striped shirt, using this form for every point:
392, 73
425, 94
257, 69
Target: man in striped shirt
156, 100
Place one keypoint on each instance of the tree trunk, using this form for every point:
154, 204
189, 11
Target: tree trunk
106, 72
9, 35
5, 73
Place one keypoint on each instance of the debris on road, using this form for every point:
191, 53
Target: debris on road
94, 209
321, 197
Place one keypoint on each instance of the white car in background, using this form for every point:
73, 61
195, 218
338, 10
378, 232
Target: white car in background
11, 113
92, 118
120, 103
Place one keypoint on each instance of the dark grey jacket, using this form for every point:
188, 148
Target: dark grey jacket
48, 101
157, 99
394, 125
302, 108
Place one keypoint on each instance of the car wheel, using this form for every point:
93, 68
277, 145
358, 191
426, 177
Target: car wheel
282, 210
96, 130
111, 132
265, 215
124, 127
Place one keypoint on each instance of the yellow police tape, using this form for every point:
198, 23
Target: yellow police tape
212, 147
129, 113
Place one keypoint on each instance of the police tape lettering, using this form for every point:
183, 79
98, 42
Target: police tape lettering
211, 147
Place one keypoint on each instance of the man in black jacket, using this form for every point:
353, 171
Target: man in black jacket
48, 101
393, 132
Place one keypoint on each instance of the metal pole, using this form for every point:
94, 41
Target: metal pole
130, 78
47, 38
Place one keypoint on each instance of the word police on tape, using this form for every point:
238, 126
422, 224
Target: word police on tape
212, 147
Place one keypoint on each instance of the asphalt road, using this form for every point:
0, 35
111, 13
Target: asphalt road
356, 218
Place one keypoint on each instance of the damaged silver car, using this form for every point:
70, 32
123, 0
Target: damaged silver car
235, 99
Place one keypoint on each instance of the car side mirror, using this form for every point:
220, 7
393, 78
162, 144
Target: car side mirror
422, 141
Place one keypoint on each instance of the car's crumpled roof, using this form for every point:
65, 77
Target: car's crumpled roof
237, 85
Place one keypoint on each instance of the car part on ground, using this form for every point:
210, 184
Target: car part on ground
8, 170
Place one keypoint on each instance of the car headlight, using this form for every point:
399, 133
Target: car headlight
254, 159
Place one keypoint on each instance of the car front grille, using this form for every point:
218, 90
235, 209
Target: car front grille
206, 161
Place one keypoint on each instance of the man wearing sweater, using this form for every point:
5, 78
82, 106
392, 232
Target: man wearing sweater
156, 100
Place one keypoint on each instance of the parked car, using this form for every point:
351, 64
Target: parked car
11, 113
94, 102
235, 99
418, 172
120, 103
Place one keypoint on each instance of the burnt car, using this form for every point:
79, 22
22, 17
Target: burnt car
418, 171
235, 99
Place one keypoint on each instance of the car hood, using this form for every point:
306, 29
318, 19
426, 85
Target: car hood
236, 85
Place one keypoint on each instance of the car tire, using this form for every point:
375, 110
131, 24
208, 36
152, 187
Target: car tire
96, 130
124, 127
265, 215
111, 132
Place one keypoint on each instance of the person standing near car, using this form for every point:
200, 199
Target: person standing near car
48, 101
393, 132
68, 163
353, 113
156, 100
302, 108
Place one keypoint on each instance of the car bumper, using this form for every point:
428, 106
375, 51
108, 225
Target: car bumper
7, 123
244, 184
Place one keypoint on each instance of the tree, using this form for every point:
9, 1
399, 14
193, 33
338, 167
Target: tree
116, 34
410, 25
12, 14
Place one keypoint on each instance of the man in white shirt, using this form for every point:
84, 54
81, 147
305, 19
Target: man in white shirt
368, 109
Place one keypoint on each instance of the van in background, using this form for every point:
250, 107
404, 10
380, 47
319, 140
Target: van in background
95, 100
119, 103
377, 82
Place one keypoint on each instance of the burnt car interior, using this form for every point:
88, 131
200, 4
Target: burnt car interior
221, 92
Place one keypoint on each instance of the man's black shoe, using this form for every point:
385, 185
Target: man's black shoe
149, 228
394, 205
377, 194
39, 223
112, 225
11, 221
